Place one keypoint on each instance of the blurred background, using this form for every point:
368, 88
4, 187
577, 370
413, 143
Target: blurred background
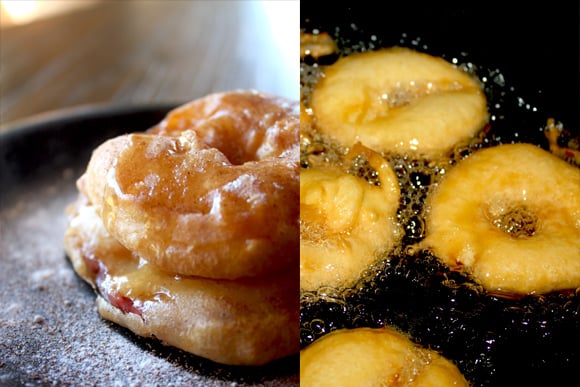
56, 54
13, 12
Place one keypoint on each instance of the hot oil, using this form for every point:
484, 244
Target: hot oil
490, 336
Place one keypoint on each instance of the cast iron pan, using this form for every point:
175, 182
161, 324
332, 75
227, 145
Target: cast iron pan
50, 330
529, 58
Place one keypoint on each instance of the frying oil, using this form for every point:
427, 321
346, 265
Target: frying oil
489, 336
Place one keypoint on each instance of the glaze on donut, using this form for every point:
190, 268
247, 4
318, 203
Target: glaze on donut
346, 220
211, 191
399, 100
374, 357
243, 125
510, 217
249, 321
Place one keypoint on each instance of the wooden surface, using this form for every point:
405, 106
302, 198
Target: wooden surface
146, 52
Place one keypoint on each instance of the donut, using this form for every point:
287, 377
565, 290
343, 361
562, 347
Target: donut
347, 218
317, 45
374, 357
248, 321
210, 191
509, 217
244, 125
399, 100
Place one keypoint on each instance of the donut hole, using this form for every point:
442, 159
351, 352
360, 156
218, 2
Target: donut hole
245, 126
406, 93
401, 96
380, 102
519, 222
219, 134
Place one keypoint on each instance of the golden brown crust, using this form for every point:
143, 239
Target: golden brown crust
181, 203
399, 100
250, 321
243, 125
510, 217
189, 231
375, 357
346, 222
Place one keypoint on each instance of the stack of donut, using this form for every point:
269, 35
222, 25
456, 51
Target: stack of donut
189, 231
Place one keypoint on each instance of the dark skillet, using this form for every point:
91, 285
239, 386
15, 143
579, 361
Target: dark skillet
531, 59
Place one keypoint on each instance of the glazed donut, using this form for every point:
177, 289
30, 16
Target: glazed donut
346, 220
211, 191
249, 321
509, 216
399, 100
374, 357
243, 125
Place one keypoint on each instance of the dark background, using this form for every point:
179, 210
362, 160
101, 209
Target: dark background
536, 46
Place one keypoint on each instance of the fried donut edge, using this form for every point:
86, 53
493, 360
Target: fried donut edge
246, 224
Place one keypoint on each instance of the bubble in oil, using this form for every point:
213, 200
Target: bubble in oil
309, 76
416, 179
362, 168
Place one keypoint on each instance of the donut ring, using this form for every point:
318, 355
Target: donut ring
174, 198
243, 125
399, 100
345, 221
249, 321
374, 357
510, 217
